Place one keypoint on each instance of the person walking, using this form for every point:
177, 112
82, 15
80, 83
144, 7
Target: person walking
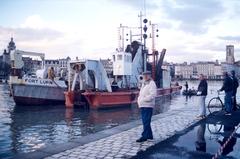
202, 92
235, 86
146, 103
228, 88
186, 85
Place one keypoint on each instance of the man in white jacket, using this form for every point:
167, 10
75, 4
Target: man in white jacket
146, 102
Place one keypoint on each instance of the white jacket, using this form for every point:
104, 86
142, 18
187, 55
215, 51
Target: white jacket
147, 94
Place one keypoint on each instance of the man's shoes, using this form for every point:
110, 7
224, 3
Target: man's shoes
201, 117
141, 140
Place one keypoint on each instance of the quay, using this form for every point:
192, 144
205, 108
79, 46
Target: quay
120, 141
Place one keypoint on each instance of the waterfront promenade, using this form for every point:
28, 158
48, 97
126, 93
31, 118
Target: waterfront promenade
120, 142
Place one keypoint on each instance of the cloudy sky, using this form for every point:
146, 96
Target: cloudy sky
190, 30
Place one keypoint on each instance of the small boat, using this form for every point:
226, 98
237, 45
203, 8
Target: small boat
33, 90
189, 92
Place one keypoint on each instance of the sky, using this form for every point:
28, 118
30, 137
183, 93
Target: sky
190, 30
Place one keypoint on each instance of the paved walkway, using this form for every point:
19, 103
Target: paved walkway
124, 145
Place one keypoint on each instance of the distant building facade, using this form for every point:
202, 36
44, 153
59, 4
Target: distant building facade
31, 65
63, 62
206, 68
183, 71
58, 65
210, 70
108, 65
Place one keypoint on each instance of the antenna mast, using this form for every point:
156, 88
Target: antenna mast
141, 28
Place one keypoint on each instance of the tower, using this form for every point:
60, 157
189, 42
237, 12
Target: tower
11, 45
6, 54
230, 54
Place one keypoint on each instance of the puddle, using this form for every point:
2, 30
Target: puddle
200, 141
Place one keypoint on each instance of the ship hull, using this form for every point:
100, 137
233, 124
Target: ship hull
31, 95
99, 100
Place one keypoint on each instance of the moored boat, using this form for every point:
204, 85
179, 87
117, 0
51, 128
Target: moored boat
33, 91
122, 87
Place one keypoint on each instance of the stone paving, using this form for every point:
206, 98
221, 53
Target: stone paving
124, 145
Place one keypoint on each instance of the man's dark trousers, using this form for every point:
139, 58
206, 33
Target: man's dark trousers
146, 120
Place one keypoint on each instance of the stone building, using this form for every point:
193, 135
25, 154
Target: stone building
211, 70
206, 68
230, 54
183, 71
108, 65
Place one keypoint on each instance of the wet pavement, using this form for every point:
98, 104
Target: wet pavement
201, 140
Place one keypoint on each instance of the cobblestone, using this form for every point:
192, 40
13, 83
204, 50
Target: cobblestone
123, 145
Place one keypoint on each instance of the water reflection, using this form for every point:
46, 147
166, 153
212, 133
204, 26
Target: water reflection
228, 143
201, 142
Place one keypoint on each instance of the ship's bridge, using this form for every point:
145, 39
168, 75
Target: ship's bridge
122, 63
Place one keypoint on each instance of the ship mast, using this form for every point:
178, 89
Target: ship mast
154, 51
140, 18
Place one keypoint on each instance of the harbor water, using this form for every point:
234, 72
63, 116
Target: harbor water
27, 128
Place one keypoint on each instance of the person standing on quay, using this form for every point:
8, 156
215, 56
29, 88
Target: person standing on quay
202, 92
186, 85
228, 88
146, 103
235, 86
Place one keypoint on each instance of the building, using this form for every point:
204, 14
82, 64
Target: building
63, 62
183, 71
205, 68
230, 54
31, 65
58, 65
218, 71
6, 54
53, 63
230, 63
211, 70
5, 60
108, 65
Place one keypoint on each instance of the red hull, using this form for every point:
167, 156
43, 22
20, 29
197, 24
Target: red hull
98, 100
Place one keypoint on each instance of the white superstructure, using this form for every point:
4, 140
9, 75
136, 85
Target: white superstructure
122, 63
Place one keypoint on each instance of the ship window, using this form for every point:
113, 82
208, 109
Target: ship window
119, 57
127, 58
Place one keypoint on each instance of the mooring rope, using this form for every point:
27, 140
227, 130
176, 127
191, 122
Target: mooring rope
220, 150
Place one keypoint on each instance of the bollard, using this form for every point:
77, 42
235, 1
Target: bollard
69, 99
